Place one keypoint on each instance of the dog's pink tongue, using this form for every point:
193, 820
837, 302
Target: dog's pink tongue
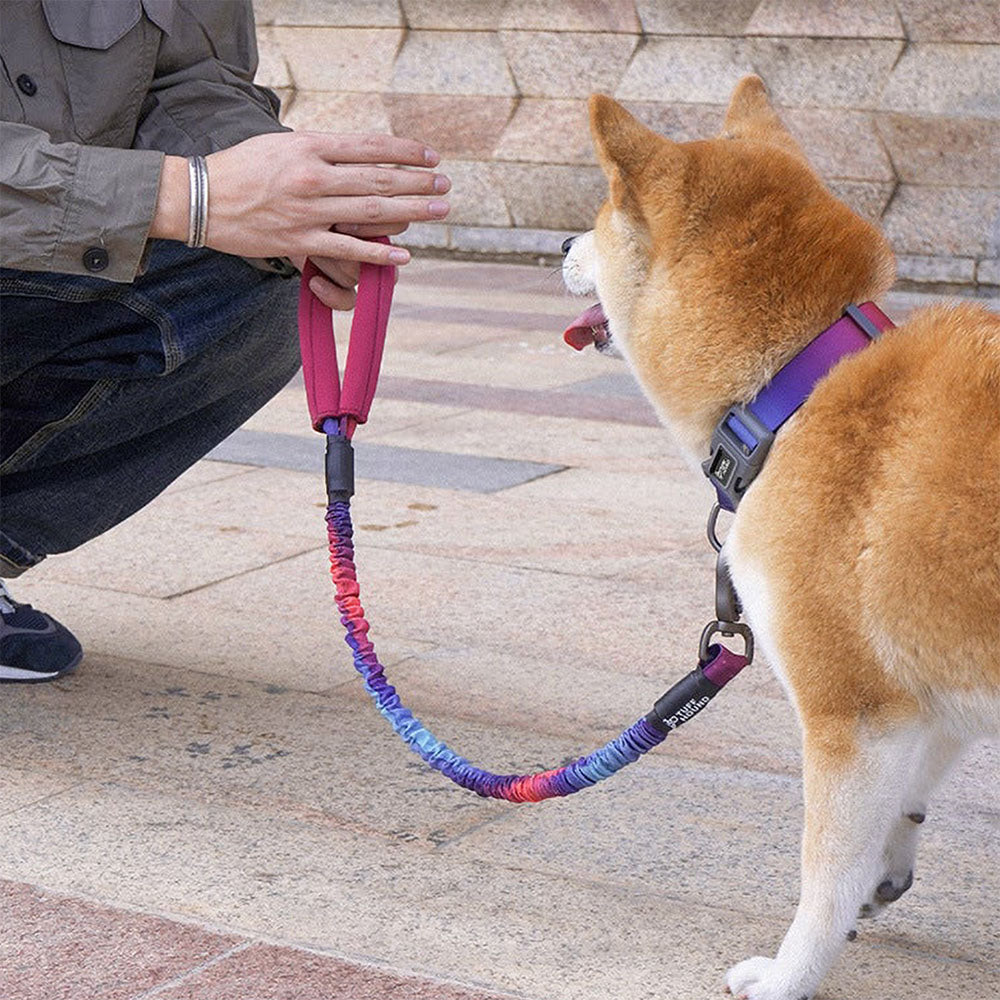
584, 330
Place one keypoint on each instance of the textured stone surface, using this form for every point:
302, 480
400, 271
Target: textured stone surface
143, 560
295, 974
681, 122
867, 198
476, 195
327, 112
452, 62
988, 272
562, 64
545, 194
455, 125
329, 13
548, 131
824, 72
425, 235
944, 21
872, 19
570, 15
941, 220
952, 151
462, 15
59, 948
954, 80
272, 70
484, 240
686, 70
343, 59
695, 17
414, 466
518, 73
839, 143
952, 270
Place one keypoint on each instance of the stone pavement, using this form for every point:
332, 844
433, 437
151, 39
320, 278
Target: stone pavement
211, 809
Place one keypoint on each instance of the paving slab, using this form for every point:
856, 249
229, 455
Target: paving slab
254, 633
140, 557
416, 466
126, 953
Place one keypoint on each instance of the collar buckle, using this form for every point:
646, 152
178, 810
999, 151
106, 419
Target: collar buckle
740, 443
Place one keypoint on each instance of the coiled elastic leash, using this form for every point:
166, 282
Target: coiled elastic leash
337, 413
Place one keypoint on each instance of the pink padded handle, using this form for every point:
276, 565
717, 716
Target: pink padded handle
364, 355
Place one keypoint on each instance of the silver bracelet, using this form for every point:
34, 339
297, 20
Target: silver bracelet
198, 208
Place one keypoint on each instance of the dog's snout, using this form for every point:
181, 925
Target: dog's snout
566, 244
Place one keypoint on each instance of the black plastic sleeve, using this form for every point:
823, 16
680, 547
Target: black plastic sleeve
339, 468
683, 701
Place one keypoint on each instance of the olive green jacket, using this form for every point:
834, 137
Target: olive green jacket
93, 93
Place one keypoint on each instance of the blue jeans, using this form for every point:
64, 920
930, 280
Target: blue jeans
110, 391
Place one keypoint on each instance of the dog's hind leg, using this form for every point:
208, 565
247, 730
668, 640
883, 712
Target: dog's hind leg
857, 778
941, 751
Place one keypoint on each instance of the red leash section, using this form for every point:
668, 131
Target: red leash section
335, 412
364, 354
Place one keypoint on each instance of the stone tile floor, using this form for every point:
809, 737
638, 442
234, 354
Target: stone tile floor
210, 809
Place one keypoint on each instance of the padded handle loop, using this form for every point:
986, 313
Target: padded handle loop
319, 352
364, 355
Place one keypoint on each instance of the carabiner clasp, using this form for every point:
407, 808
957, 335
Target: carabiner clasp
728, 629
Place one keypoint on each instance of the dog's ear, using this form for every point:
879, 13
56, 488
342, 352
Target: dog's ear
750, 116
627, 151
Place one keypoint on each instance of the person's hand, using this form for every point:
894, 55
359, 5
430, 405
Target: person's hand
335, 287
309, 194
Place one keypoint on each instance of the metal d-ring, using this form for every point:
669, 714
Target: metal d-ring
727, 629
713, 518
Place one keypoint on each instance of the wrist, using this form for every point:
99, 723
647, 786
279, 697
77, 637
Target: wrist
170, 218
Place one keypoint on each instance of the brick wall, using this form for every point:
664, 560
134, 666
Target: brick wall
896, 103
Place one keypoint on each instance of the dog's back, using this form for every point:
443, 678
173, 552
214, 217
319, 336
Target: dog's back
876, 522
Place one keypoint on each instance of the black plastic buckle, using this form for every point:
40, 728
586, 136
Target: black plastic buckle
736, 459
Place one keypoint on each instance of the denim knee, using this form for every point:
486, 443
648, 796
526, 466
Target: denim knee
229, 343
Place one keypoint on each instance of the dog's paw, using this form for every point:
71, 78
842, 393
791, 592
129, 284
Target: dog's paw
886, 892
755, 979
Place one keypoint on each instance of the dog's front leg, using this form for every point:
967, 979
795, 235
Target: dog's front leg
855, 781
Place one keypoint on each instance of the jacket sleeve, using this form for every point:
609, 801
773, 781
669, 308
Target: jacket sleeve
59, 202
202, 97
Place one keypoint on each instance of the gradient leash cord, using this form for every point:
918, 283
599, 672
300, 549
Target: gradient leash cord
584, 772
336, 414
678, 705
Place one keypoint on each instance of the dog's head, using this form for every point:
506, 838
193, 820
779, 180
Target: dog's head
713, 259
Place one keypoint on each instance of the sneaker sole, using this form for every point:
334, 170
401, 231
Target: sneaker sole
18, 675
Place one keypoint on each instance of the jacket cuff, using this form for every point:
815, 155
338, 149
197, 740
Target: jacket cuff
111, 203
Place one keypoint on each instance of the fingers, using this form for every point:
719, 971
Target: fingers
344, 248
374, 210
332, 295
344, 273
385, 181
372, 148
366, 232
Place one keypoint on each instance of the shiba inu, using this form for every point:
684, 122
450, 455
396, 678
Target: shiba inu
866, 552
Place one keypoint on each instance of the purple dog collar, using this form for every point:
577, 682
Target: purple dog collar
741, 441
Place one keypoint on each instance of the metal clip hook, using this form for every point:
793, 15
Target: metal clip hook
726, 629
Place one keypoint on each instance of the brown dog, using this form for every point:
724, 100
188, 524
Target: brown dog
867, 552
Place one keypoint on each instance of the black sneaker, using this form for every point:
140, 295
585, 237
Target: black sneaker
33, 646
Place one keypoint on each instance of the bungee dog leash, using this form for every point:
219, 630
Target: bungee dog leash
336, 413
